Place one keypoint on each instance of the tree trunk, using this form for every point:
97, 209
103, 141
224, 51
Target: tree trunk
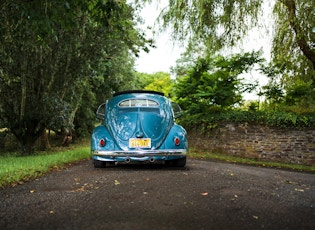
67, 137
28, 146
44, 141
28, 135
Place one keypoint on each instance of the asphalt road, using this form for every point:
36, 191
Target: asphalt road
204, 195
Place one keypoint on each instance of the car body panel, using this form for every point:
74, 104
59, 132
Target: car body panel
138, 126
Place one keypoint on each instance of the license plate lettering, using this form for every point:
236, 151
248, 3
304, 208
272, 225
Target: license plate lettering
139, 143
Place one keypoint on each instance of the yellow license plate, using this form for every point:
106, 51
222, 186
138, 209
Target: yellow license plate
139, 143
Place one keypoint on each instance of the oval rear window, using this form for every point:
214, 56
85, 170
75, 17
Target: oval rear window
138, 103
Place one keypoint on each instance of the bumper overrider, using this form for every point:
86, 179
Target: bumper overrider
139, 155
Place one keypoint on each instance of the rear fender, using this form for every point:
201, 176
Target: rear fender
99, 133
176, 131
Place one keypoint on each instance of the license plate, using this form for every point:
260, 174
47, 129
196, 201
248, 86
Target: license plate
139, 143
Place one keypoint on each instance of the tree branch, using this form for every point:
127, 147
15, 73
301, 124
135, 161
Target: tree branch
301, 40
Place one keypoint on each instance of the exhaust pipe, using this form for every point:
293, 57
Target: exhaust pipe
127, 160
152, 160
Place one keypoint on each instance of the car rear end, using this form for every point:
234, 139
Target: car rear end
139, 126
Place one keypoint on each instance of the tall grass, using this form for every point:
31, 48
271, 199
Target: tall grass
16, 170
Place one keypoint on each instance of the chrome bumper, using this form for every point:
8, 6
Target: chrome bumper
140, 153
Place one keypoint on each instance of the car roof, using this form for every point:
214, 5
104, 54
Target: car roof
138, 91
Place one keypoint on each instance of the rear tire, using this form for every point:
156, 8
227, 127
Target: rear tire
181, 162
99, 164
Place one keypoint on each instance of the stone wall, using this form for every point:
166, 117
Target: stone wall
253, 141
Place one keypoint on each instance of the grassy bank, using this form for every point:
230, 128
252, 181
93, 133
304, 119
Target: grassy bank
17, 169
254, 162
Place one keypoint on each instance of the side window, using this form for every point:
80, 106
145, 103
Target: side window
176, 110
100, 113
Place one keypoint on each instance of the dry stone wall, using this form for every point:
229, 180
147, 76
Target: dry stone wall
254, 141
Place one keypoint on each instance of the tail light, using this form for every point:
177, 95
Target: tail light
102, 142
176, 141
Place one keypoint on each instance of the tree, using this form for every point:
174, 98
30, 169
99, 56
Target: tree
215, 23
161, 82
295, 94
213, 84
222, 23
141, 80
293, 41
50, 52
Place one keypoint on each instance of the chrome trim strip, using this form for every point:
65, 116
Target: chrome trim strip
141, 153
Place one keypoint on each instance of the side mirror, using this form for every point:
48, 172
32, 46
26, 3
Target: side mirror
100, 113
176, 110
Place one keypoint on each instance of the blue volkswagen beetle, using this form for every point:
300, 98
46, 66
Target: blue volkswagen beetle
139, 126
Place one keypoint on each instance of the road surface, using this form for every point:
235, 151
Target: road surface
203, 195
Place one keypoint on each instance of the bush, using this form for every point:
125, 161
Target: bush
279, 119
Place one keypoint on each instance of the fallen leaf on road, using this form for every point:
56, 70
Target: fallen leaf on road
32, 191
116, 182
289, 182
255, 217
204, 194
299, 190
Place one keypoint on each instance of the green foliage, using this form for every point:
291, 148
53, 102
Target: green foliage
301, 93
15, 170
210, 25
291, 86
186, 60
292, 42
215, 23
84, 119
209, 92
253, 106
142, 80
205, 122
221, 24
51, 52
3, 134
273, 93
213, 84
162, 82
284, 120
159, 81
295, 94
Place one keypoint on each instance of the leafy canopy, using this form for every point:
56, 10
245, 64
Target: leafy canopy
213, 83
215, 23
54, 53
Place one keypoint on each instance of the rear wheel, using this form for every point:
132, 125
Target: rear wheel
181, 162
99, 164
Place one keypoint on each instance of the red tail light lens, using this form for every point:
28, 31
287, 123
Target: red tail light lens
176, 141
102, 142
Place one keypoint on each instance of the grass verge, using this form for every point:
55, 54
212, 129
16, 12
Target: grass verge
247, 161
18, 169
